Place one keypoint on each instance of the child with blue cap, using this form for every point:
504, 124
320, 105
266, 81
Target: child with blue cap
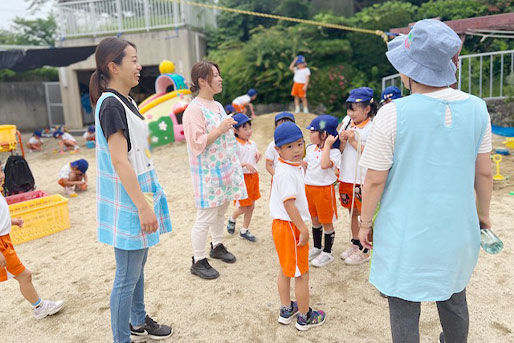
65, 141
354, 129
389, 94
300, 83
249, 156
289, 210
322, 159
35, 142
229, 109
271, 152
241, 102
73, 177
90, 135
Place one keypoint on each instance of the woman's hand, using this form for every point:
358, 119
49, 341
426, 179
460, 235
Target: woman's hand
226, 125
148, 220
365, 236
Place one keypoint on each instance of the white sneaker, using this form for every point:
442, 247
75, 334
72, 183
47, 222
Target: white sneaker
323, 259
348, 252
357, 258
297, 110
305, 110
313, 253
47, 308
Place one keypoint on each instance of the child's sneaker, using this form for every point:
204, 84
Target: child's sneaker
287, 314
357, 258
313, 253
313, 319
247, 235
231, 226
349, 252
47, 308
323, 259
152, 330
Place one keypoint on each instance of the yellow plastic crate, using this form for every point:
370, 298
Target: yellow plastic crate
7, 138
41, 217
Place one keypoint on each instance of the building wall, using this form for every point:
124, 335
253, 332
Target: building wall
183, 46
23, 104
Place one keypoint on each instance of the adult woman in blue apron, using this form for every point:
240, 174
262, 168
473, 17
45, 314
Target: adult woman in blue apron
427, 155
132, 210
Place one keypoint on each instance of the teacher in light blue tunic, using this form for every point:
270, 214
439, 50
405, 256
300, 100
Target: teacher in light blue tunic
427, 155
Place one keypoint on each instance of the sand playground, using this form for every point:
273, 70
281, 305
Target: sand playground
242, 304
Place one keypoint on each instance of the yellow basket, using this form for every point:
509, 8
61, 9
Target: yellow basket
41, 217
7, 138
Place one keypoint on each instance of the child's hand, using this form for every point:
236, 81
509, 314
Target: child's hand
17, 221
350, 135
258, 156
304, 238
304, 87
330, 140
342, 136
2, 261
250, 168
305, 165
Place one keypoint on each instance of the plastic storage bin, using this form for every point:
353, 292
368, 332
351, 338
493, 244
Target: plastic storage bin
13, 199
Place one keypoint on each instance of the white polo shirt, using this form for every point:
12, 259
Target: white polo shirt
242, 100
5, 217
315, 175
349, 156
288, 183
272, 153
66, 136
246, 151
65, 172
300, 75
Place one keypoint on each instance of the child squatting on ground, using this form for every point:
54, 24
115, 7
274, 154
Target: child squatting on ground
11, 266
321, 162
241, 102
35, 142
271, 152
249, 156
289, 210
65, 141
73, 177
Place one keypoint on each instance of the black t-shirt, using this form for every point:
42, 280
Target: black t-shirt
113, 117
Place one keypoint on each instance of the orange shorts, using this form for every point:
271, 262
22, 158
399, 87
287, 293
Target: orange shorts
13, 265
322, 203
345, 195
298, 90
239, 108
79, 187
294, 260
252, 188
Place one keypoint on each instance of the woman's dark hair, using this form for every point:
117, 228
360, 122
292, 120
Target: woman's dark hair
372, 104
202, 70
109, 50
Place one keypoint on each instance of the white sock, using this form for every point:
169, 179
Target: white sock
297, 109
305, 110
243, 230
232, 219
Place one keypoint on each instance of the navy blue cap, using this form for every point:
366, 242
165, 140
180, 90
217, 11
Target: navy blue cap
390, 92
57, 133
230, 109
252, 92
300, 59
37, 133
81, 165
362, 94
284, 115
287, 133
241, 119
91, 128
325, 123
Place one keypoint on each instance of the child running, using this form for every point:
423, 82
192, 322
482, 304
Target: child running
11, 266
242, 101
249, 156
301, 83
271, 152
322, 160
35, 142
73, 177
289, 210
65, 141
357, 124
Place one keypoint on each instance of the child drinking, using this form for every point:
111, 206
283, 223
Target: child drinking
73, 177
35, 142
271, 152
289, 210
356, 125
322, 159
249, 156
242, 101
301, 82
11, 266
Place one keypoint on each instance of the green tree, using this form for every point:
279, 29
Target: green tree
41, 31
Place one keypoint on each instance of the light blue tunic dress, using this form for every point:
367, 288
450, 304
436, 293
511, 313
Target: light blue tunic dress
426, 235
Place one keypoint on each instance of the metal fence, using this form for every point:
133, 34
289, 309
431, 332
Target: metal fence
488, 75
101, 17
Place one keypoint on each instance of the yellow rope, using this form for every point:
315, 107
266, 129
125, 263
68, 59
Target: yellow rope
279, 17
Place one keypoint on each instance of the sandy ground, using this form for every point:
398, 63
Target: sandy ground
242, 304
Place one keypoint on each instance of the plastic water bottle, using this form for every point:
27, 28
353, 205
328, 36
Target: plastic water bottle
490, 242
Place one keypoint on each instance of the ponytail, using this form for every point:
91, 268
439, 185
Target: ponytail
97, 86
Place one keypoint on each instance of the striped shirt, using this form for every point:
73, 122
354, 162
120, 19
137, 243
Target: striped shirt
378, 154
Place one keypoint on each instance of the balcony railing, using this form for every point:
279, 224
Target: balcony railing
102, 17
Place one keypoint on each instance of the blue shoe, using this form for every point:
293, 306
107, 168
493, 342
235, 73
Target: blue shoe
285, 317
231, 227
314, 318
248, 236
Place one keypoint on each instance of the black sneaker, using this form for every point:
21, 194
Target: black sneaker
231, 227
203, 269
220, 252
151, 329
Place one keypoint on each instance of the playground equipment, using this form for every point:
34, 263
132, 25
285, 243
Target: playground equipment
509, 143
8, 136
497, 158
163, 110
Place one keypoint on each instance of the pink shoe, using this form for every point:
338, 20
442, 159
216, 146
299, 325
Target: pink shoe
350, 251
357, 258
